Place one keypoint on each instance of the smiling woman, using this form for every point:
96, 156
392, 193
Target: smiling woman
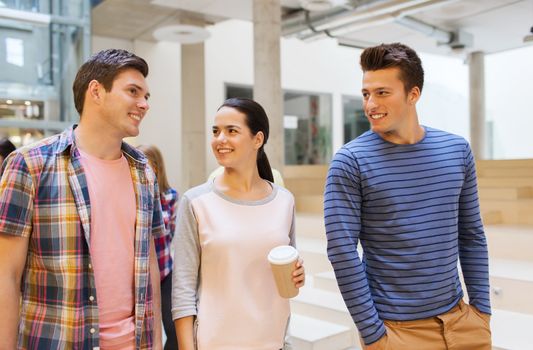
225, 232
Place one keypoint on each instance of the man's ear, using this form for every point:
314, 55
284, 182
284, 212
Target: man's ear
94, 91
414, 95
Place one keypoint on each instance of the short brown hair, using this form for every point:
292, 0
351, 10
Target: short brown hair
395, 55
156, 162
104, 66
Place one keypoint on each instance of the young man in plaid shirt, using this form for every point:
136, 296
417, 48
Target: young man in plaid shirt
78, 215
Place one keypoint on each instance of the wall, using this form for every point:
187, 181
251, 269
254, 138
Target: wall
509, 102
324, 67
161, 126
320, 67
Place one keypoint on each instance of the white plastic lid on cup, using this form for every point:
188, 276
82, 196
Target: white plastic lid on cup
282, 255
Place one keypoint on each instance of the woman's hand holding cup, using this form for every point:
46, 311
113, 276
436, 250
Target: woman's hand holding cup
298, 276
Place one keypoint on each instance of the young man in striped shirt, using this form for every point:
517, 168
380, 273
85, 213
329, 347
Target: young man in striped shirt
408, 194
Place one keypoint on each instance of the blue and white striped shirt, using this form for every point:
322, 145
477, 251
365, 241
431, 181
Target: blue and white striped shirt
415, 210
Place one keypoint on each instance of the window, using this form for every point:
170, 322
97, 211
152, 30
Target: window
307, 122
355, 122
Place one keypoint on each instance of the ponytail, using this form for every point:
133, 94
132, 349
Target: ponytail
263, 165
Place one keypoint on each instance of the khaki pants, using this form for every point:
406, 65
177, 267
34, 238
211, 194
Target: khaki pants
461, 328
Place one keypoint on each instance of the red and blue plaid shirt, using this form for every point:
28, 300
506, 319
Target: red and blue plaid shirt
44, 197
169, 201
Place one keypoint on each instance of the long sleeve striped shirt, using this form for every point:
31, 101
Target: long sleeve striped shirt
415, 211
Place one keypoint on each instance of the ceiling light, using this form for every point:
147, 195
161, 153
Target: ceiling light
320, 5
183, 34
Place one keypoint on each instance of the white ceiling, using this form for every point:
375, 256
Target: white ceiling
496, 25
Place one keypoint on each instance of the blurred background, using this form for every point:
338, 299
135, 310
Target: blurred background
299, 59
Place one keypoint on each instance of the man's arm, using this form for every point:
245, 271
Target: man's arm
13, 252
342, 216
473, 252
156, 290
16, 211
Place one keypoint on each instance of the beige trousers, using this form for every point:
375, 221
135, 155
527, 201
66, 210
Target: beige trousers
462, 328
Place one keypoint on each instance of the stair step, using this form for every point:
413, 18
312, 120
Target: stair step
326, 281
306, 186
310, 225
492, 217
511, 330
484, 182
512, 211
505, 193
314, 334
305, 171
323, 305
310, 204
511, 284
505, 172
510, 241
313, 252
504, 163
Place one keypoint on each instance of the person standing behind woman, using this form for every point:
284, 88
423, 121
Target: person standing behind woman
6, 147
224, 295
169, 201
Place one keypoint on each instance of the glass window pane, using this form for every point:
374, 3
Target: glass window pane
307, 124
25, 54
355, 122
308, 129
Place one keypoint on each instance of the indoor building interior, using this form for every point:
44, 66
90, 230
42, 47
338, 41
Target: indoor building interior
300, 59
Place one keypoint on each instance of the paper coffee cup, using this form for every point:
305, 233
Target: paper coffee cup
283, 263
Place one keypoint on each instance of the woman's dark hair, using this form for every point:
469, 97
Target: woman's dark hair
256, 120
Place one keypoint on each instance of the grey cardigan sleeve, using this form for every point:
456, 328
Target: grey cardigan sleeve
186, 271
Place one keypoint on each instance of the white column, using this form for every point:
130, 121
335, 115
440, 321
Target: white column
193, 145
267, 74
478, 133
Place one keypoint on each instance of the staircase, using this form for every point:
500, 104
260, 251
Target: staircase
320, 319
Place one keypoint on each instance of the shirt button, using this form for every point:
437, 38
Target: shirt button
90, 266
91, 298
92, 330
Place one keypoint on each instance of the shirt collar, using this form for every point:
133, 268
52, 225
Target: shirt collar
67, 142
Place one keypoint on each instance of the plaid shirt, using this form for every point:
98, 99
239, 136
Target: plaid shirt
169, 201
44, 197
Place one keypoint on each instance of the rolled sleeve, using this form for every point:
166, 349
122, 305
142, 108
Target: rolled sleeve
17, 192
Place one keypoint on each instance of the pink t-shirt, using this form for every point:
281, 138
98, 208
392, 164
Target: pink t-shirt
112, 238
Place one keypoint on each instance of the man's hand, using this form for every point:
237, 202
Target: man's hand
298, 276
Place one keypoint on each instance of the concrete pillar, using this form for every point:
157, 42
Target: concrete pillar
267, 74
193, 144
478, 133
